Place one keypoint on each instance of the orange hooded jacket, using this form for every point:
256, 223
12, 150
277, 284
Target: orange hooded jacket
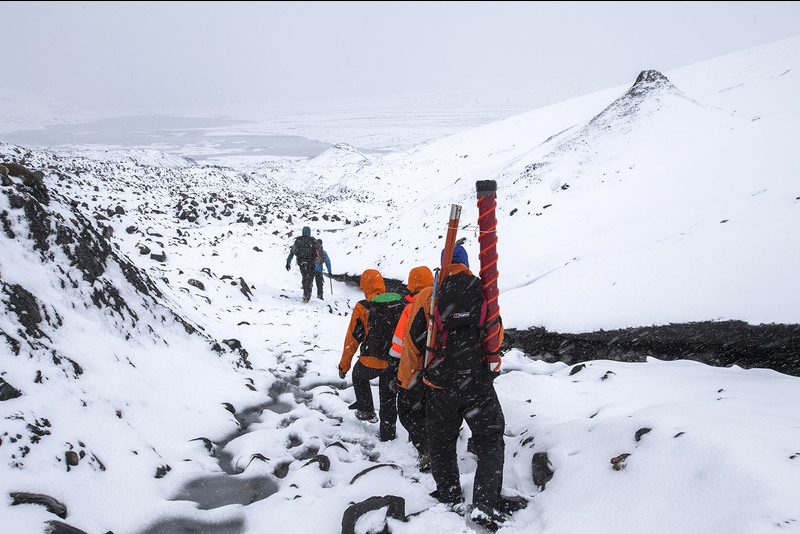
411, 359
371, 284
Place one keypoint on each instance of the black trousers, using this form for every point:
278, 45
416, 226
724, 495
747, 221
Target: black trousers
320, 282
306, 278
386, 395
445, 410
411, 412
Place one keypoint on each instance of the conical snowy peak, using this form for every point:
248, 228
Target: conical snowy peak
651, 92
653, 108
650, 80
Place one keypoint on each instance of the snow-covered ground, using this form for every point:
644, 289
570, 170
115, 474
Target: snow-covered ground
198, 392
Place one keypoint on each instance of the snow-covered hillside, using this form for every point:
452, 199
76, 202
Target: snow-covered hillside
159, 372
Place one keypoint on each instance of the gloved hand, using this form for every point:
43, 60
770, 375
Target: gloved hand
392, 366
493, 368
342, 374
288, 267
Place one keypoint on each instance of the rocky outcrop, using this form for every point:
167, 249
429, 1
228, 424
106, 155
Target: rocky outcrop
717, 343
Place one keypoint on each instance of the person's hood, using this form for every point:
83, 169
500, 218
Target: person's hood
419, 278
372, 283
307, 231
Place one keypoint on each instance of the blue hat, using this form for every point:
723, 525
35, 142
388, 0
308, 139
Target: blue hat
459, 256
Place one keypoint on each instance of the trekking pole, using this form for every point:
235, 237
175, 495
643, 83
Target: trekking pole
487, 224
447, 259
331, 279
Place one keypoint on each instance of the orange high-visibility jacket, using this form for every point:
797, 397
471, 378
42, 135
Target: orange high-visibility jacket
418, 279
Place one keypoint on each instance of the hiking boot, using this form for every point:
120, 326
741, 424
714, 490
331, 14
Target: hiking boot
509, 505
450, 499
424, 463
387, 436
320, 297
305, 301
370, 417
486, 517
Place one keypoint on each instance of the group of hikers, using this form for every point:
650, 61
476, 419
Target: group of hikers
431, 390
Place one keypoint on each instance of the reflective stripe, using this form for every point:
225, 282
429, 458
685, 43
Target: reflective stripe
397, 340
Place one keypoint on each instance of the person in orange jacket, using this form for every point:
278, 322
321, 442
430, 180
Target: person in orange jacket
369, 366
410, 397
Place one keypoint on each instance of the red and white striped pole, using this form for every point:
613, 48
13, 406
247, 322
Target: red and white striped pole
487, 224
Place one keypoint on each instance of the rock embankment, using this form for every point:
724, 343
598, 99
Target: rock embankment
717, 343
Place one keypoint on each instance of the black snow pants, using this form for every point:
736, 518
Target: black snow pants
411, 412
307, 278
478, 405
386, 396
318, 278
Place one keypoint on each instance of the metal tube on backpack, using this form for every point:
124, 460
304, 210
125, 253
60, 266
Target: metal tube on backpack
447, 258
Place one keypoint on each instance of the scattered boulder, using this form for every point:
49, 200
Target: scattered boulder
618, 462
29, 177
72, 458
323, 461
541, 469
197, 283
7, 391
395, 508
244, 288
59, 527
162, 470
53, 506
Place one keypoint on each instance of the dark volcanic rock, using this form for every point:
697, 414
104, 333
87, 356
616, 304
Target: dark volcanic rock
7, 391
53, 506
722, 344
717, 343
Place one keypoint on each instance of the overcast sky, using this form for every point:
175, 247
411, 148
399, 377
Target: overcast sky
170, 56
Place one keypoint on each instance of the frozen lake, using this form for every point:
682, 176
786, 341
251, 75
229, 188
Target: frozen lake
247, 135
196, 137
